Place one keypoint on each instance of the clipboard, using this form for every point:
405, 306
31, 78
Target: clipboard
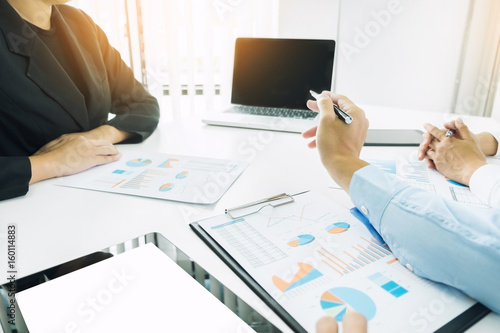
465, 313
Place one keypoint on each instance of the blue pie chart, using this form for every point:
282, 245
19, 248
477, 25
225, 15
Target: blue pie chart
336, 302
301, 240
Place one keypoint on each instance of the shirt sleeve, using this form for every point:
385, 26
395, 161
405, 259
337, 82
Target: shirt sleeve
436, 238
15, 176
485, 184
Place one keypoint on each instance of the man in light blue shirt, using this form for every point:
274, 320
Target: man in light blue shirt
435, 238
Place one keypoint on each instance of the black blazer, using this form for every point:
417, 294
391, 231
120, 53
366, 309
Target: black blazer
39, 102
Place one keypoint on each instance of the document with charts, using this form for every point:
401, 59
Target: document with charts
416, 173
162, 176
312, 258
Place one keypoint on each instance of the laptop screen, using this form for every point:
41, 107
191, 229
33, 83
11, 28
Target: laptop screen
280, 72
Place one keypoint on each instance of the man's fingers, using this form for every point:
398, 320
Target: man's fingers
424, 145
312, 144
430, 164
462, 129
344, 103
354, 322
435, 132
431, 154
310, 133
450, 125
312, 105
327, 325
325, 106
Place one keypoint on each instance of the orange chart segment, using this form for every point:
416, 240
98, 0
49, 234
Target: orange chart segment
166, 187
305, 274
138, 162
168, 163
338, 227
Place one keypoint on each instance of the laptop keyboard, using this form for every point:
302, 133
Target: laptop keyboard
274, 112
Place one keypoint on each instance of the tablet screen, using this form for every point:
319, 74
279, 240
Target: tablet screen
390, 137
142, 285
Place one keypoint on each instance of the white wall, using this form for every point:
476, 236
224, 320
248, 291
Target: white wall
315, 19
495, 114
396, 53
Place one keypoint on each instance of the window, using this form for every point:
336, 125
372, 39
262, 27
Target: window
182, 50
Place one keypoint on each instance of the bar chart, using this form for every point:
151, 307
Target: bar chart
354, 257
388, 285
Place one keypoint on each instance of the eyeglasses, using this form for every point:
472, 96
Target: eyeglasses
255, 207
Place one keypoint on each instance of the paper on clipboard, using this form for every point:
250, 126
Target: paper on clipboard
312, 258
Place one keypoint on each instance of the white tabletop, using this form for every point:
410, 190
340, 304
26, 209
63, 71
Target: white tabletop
56, 224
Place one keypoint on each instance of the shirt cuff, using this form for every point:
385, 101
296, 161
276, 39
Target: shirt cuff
371, 190
496, 135
484, 182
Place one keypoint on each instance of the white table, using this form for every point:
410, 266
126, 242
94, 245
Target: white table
56, 224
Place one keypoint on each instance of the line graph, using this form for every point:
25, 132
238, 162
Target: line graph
275, 220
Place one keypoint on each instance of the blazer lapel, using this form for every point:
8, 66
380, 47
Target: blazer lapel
43, 69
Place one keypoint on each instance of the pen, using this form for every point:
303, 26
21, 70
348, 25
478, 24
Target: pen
341, 114
449, 133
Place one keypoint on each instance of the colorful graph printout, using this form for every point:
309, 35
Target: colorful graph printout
170, 177
334, 274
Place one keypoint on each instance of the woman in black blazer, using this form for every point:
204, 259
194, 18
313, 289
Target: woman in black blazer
59, 81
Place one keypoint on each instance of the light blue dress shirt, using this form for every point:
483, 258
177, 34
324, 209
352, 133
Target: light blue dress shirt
436, 238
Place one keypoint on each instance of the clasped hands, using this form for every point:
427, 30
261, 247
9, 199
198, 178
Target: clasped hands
459, 156
339, 145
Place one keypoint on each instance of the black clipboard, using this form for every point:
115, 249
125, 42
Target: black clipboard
247, 278
458, 324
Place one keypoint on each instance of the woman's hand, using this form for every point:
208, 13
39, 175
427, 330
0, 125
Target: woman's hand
73, 154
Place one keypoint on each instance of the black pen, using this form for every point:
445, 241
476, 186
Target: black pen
341, 114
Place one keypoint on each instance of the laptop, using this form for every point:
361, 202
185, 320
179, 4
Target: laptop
272, 78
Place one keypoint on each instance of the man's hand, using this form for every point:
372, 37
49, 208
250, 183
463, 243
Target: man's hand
456, 157
75, 154
339, 144
352, 322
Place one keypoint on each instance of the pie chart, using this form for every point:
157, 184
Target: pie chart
336, 302
300, 240
338, 227
138, 162
182, 175
166, 187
